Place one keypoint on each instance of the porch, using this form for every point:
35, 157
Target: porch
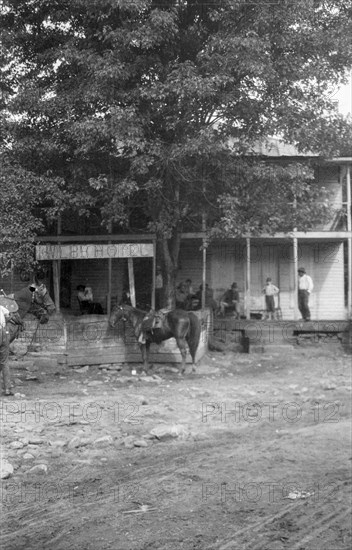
89, 340
262, 336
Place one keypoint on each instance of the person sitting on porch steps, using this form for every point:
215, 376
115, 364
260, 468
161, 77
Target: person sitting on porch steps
85, 300
230, 301
270, 291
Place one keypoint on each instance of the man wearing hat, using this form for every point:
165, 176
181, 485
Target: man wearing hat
305, 287
231, 300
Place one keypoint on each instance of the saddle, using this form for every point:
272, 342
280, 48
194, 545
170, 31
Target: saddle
153, 320
12, 306
9, 303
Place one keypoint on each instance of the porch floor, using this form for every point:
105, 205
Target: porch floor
258, 335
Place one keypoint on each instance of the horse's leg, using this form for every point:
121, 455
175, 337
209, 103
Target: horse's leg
4, 364
144, 350
147, 348
181, 342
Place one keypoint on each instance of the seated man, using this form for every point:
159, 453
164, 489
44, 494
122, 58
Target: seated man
191, 296
230, 301
85, 300
181, 296
189, 287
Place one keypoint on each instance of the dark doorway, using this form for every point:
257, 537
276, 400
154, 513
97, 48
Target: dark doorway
65, 284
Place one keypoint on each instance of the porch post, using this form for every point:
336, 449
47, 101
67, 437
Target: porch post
204, 273
295, 278
204, 257
153, 274
57, 269
131, 281
56, 276
349, 242
248, 279
108, 304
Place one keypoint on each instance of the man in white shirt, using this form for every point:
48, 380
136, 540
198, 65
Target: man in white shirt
159, 283
85, 299
4, 350
305, 287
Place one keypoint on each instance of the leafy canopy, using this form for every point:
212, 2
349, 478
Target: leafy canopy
153, 106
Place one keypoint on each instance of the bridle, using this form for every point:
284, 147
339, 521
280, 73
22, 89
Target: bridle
38, 301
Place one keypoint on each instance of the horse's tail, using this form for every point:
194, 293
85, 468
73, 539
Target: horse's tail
193, 335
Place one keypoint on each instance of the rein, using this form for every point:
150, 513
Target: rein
32, 340
134, 316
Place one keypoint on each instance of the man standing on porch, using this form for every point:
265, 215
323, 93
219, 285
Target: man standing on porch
305, 287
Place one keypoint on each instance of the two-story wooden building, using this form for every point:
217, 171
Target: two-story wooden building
82, 254
325, 252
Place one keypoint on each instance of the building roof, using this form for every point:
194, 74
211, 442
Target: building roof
275, 147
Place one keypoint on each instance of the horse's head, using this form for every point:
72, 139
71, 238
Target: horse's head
42, 304
118, 313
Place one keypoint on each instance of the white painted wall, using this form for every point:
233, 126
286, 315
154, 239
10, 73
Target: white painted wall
323, 261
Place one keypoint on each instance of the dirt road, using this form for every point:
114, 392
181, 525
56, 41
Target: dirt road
251, 452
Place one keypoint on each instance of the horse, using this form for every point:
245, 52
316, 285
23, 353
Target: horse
184, 326
33, 299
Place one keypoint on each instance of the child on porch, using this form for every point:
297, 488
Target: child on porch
270, 291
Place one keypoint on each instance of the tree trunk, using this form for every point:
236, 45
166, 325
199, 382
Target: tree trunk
170, 249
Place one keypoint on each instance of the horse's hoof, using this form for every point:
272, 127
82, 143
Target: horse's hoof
8, 391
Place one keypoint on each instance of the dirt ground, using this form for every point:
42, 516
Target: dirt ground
253, 451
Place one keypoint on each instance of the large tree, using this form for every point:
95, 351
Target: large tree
156, 105
26, 207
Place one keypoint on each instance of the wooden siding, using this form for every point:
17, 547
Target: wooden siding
89, 340
191, 263
323, 262
227, 265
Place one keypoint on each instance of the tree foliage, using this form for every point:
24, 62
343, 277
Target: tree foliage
157, 103
21, 220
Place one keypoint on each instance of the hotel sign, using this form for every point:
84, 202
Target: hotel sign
93, 251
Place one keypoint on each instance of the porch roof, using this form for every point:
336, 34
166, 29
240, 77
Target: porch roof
310, 235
